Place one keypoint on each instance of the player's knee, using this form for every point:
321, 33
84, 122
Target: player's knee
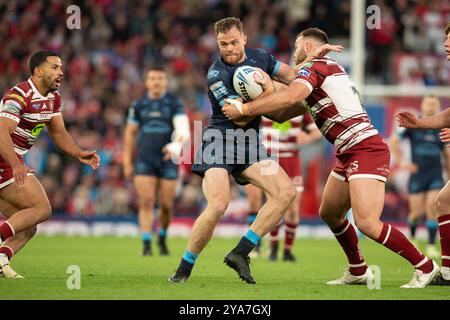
326, 215
166, 205
442, 205
286, 194
218, 208
331, 220
291, 193
368, 226
44, 210
147, 203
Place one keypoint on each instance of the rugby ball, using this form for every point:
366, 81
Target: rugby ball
244, 82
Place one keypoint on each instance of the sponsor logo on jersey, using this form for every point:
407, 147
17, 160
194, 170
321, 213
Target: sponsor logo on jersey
212, 74
12, 106
36, 105
155, 114
17, 97
36, 131
45, 116
429, 137
282, 127
304, 72
260, 51
219, 90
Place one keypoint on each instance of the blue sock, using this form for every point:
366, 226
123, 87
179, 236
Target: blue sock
190, 257
146, 236
432, 226
252, 237
162, 232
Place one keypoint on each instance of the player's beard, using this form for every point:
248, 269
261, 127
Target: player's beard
300, 57
50, 84
234, 58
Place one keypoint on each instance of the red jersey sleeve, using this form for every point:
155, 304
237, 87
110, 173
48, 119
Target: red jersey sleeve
312, 74
13, 105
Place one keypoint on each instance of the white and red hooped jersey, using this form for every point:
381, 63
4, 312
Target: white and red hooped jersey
281, 138
334, 104
25, 105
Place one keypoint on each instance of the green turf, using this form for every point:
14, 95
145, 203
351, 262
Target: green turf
111, 268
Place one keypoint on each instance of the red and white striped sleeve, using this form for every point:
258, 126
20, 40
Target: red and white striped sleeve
13, 105
312, 74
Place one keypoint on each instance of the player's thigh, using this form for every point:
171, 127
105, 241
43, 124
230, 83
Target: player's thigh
416, 204
30, 195
367, 198
270, 177
335, 199
145, 187
167, 188
216, 189
254, 196
430, 201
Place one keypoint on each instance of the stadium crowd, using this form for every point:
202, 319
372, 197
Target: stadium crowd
104, 61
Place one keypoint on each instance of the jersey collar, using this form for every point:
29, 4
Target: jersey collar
160, 98
36, 93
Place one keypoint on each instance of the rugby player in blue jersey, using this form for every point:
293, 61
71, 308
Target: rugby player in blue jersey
234, 148
156, 129
441, 121
425, 167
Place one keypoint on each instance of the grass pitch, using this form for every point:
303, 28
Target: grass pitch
112, 268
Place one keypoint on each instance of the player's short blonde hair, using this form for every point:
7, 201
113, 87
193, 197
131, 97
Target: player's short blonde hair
224, 25
447, 28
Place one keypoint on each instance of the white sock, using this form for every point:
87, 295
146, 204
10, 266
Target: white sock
445, 271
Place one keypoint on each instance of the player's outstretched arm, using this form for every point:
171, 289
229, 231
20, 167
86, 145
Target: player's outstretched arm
7, 127
287, 114
286, 74
279, 100
65, 143
409, 119
320, 52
